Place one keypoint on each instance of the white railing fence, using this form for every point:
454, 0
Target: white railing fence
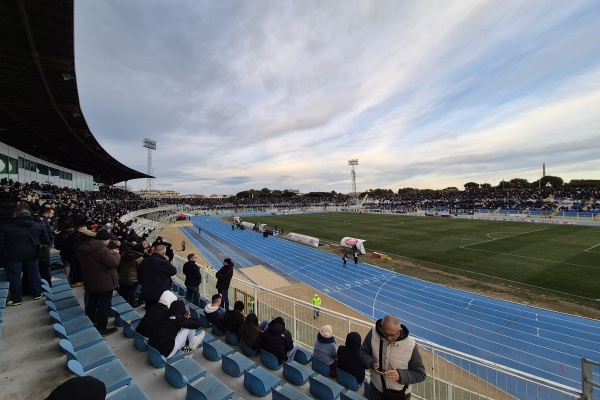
452, 375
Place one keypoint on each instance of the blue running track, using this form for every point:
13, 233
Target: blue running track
540, 342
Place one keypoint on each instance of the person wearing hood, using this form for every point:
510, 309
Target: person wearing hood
393, 356
224, 276
128, 280
99, 269
157, 312
278, 341
214, 313
154, 274
171, 332
19, 240
325, 348
349, 357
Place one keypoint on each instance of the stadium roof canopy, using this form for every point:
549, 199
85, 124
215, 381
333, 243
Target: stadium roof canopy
39, 103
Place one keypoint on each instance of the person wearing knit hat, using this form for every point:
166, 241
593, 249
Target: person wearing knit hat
224, 276
325, 348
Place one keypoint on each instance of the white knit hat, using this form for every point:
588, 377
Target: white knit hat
326, 331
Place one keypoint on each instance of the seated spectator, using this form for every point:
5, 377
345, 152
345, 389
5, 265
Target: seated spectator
170, 332
325, 348
214, 313
278, 341
250, 333
155, 313
349, 359
233, 319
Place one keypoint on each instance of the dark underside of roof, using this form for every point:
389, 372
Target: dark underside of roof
39, 102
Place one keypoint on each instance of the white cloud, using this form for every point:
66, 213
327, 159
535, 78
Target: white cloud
281, 94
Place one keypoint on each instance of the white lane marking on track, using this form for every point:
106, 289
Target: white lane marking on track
470, 302
377, 294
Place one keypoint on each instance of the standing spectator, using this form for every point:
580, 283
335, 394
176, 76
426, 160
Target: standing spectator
233, 319
99, 269
128, 272
60, 244
345, 259
224, 276
325, 348
72, 244
171, 332
193, 279
183, 245
349, 357
19, 241
214, 313
154, 274
316, 300
387, 348
250, 333
356, 254
45, 215
278, 341
8, 206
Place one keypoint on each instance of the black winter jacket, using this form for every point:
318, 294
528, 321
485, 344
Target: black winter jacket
162, 337
277, 340
15, 241
193, 277
154, 274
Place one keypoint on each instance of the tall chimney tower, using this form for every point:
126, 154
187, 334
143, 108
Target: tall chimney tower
543, 170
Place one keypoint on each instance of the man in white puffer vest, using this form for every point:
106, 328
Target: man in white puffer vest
393, 358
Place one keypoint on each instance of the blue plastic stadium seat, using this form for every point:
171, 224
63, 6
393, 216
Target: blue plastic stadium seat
214, 351
89, 357
350, 395
303, 356
324, 388
232, 338
260, 382
129, 328
130, 316
157, 360
66, 314
113, 374
208, 388
140, 342
320, 367
182, 372
79, 340
269, 360
216, 331
288, 392
346, 380
73, 326
131, 392
296, 373
235, 364
249, 351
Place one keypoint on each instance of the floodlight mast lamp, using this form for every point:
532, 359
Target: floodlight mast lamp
150, 145
353, 174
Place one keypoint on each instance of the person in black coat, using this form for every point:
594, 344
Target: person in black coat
278, 341
19, 241
224, 276
171, 332
193, 279
157, 312
154, 275
349, 358
233, 319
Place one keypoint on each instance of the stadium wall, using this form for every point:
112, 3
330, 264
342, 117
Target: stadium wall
22, 167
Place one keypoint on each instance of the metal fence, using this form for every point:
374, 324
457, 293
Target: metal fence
451, 375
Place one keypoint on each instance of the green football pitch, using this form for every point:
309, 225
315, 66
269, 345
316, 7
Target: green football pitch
564, 259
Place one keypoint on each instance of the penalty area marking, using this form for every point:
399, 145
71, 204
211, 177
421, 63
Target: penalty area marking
593, 251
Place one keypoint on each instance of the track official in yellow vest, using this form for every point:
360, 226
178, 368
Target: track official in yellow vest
388, 349
317, 303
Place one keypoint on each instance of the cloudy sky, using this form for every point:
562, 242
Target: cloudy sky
281, 94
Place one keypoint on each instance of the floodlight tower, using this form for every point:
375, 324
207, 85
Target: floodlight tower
353, 175
150, 145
